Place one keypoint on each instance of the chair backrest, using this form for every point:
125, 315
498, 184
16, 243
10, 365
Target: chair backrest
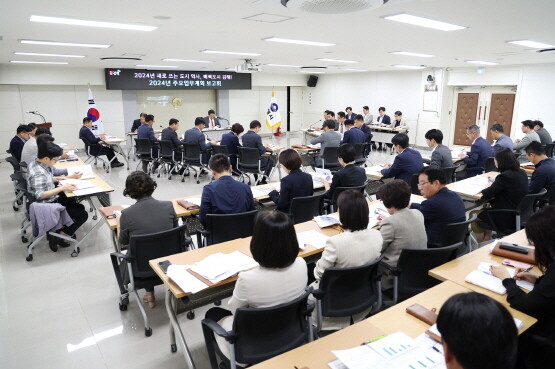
262, 333
415, 264
155, 245
550, 196
489, 166
455, 232
143, 147
349, 291
166, 149
221, 149
360, 159
549, 150
449, 173
191, 152
303, 209
248, 157
227, 227
14, 162
414, 184
338, 191
329, 156
526, 206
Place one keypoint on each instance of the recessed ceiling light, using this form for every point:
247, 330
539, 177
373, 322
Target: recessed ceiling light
337, 60
424, 22
408, 53
532, 44
74, 44
156, 66
36, 62
187, 60
297, 42
283, 65
481, 62
91, 23
355, 70
56, 55
409, 66
228, 52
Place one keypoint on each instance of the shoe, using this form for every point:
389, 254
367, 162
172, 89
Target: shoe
117, 165
262, 182
150, 299
52, 243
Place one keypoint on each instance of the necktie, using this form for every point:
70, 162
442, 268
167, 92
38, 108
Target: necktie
211, 123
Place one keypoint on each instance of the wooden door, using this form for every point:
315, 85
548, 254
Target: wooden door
467, 108
501, 111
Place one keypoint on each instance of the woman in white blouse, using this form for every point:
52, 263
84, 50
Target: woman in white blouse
280, 277
357, 246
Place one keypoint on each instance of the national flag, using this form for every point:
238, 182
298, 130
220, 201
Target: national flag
94, 114
273, 117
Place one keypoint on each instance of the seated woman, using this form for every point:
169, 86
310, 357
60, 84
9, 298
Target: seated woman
540, 302
146, 216
507, 190
357, 246
403, 229
350, 175
231, 140
280, 277
296, 184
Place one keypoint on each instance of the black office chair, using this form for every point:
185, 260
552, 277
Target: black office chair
360, 157
221, 149
344, 292
226, 227
414, 184
249, 162
454, 233
144, 150
14, 163
332, 203
192, 159
489, 166
449, 173
410, 276
507, 221
550, 150
259, 334
91, 157
134, 269
169, 158
329, 159
303, 209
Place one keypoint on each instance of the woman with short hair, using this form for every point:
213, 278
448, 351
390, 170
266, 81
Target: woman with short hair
296, 184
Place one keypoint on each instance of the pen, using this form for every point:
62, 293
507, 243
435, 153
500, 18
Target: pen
374, 340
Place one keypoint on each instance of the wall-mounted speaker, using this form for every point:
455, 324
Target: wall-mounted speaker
312, 81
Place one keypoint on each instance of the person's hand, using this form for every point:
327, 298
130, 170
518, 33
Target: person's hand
386, 166
462, 155
213, 142
64, 155
103, 136
267, 146
69, 187
517, 140
76, 175
499, 271
525, 276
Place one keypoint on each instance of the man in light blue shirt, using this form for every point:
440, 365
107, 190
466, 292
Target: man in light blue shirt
501, 141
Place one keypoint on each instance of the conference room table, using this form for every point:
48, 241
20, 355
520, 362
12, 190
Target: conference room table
317, 354
115, 144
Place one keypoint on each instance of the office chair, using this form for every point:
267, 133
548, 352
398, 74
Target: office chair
329, 159
332, 203
303, 209
169, 158
249, 162
226, 227
144, 150
192, 159
89, 147
454, 233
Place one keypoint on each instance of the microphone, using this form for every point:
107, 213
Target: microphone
222, 118
31, 112
310, 126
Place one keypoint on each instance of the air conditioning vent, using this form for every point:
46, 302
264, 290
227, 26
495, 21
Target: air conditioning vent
334, 6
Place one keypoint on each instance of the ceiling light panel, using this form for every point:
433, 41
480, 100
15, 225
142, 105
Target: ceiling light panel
35, 62
409, 66
409, 53
71, 44
481, 62
53, 55
298, 42
424, 22
91, 23
532, 44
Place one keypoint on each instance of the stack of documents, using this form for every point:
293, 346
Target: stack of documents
312, 238
219, 266
79, 183
375, 170
194, 200
85, 170
324, 221
265, 190
185, 280
471, 186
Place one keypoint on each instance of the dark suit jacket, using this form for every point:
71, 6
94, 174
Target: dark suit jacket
367, 132
253, 140
353, 136
169, 134
92, 139
194, 135
207, 122
384, 120
136, 124
16, 147
232, 142
543, 176
349, 176
406, 164
296, 184
441, 157
350, 116
439, 210
146, 131
476, 158
225, 196
507, 190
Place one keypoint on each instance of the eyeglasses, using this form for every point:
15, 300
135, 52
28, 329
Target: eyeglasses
422, 184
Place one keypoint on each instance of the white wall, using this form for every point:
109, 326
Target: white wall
536, 95
247, 105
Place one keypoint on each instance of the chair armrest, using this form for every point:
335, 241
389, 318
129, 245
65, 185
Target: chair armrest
310, 306
394, 270
219, 330
318, 294
203, 232
121, 255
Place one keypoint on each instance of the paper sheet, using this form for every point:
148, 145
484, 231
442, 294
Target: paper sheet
219, 266
88, 191
80, 184
312, 238
416, 200
376, 169
185, 280
484, 267
86, 170
324, 221
472, 186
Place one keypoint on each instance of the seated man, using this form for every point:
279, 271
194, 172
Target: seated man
441, 155
40, 183
341, 119
367, 116
441, 207
349, 176
328, 138
225, 195
195, 135
253, 140
477, 333
407, 163
530, 136
170, 134
30, 149
383, 119
480, 151
349, 113
359, 123
545, 137
211, 121
352, 135
137, 122
398, 120
501, 140
18, 141
544, 175
96, 147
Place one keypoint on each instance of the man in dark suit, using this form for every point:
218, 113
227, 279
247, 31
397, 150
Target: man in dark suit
225, 195
383, 119
253, 140
96, 147
352, 135
349, 176
359, 123
349, 113
407, 163
211, 121
544, 175
441, 155
170, 134
146, 131
195, 135
480, 151
441, 207
18, 141
137, 122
